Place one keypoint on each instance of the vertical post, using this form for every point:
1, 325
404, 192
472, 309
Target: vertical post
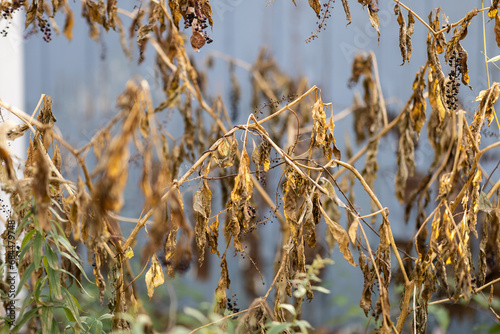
12, 92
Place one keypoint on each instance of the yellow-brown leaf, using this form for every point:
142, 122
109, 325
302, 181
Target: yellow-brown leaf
154, 276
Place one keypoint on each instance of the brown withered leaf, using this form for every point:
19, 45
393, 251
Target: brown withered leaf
474, 202
290, 199
68, 24
154, 276
459, 34
183, 249
202, 210
347, 11
315, 5
31, 14
436, 95
383, 252
16, 132
170, 248
213, 236
483, 250
406, 154
493, 11
489, 99
309, 223
417, 114
197, 41
260, 157
318, 134
373, 16
206, 9
226, 152
353, 230
176, 12
432, 57
57, 160
402, 32
410, 28
41, 189
463, 63
243, 186
497, 28
8, 173
369, 279
96, 11
341, 236
220, 291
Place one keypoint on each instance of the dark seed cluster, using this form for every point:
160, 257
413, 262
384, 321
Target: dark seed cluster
251, 211
232, 307
7, 13
453, 84
45, 29
196, 20
324, 14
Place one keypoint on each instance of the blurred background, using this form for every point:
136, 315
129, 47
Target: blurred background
84, 78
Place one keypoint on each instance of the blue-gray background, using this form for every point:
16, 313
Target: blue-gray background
84, 77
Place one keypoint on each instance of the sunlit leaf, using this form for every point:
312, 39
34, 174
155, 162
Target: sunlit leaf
154, 276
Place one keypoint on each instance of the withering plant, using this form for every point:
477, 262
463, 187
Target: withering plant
53, 214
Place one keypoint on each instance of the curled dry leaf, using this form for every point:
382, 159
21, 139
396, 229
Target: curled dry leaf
197, 41
202, 210
220, 291
402, 32
315, 5
41, 189
341, 236
347, 11
372, 6
154, 276
243, 186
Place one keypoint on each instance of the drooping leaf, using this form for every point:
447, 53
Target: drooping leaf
222, 285
497, 28
243, 185
342, 238
402, 32
347, 11
202, 210
154, 276
315, 5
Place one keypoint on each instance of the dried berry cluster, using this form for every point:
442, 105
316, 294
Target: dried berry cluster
453, 84
45, 29
232, 308
8, 10
196, 19
324, 14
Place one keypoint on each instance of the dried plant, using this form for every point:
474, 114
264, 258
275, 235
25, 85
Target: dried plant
291, 135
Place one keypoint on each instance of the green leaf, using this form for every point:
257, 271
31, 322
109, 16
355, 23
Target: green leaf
47, 319
22, 320
72, 305
40, 284
78, 282
26, 275
37, 250
76, 262
54, 282
51, 258
278, 327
